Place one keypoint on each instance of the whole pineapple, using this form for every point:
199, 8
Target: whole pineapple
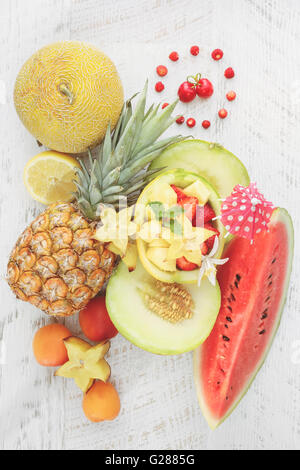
56, 264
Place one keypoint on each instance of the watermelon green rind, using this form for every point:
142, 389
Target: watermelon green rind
279, 215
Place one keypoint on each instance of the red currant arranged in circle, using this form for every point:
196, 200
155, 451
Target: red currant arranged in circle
161, 70
191, 122
204, 88
206, 124
217, 54
159, 87
163, 106
229, 73
231, 95
187, 92
174, 56
180, 120
222, 113
194, 50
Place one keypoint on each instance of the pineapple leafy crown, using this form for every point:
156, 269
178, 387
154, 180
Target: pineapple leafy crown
121, 167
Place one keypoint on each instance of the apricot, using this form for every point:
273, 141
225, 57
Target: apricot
101, 402
48, 345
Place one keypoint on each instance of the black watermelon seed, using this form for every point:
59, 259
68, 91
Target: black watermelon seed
236, 284
226, 326
225, 338
267, 299
270, 276
238, 277
229, 308
227, 398
218, 383
273, 260
229, 319
264, 316
232, 296
229, 300
262, 332
270, 283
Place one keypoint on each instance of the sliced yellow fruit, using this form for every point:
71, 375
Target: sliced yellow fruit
49, 177
164, 194
159, 256
198, 190
131, 256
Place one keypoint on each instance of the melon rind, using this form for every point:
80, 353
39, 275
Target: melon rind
279, 215
221, 168
147, 330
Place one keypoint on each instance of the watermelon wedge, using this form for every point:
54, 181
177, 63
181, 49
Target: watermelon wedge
254, 286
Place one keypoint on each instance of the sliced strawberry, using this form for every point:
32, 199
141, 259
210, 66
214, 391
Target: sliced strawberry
210, 241
190, 206
204, 214
179, 192
204, 248
183, 264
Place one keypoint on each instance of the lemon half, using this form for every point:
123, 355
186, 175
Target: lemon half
49, 177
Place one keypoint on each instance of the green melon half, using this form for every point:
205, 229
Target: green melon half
218, 166
130, 314
254, 286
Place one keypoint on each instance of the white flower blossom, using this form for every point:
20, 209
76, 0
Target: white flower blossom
208, 266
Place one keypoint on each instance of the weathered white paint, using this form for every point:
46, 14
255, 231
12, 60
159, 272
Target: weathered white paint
260, 39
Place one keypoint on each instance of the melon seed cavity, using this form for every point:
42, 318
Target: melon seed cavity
171, 302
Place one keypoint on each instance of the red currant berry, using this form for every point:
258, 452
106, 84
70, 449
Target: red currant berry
231, 95
174, 56
159, 86
163, 106
194, 50
206, 124
191, 122
222, 113
229, 73
217, 54
180, 120
204, 88
187, 92
161, 70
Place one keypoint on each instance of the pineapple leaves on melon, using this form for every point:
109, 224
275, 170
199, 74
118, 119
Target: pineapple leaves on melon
119, 169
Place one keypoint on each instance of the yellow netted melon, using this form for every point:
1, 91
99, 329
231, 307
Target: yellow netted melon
66, 94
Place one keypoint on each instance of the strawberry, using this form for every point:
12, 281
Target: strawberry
183, 264
204, 214
190, 206
204, 248
211, 240
179, 192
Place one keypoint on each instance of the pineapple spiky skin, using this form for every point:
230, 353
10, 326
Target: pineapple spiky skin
56, 263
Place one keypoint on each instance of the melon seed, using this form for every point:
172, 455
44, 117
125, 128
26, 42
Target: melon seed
229, 319
225, 338
171, 302
262, 332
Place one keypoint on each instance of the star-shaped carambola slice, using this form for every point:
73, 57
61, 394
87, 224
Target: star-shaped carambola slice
86, 363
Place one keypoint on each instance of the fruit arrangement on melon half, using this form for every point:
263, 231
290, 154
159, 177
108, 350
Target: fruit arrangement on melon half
176, 282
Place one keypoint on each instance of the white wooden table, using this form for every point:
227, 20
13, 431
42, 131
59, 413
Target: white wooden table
260, 39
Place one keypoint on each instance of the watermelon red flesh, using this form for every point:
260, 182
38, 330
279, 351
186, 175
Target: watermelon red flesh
253, 285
